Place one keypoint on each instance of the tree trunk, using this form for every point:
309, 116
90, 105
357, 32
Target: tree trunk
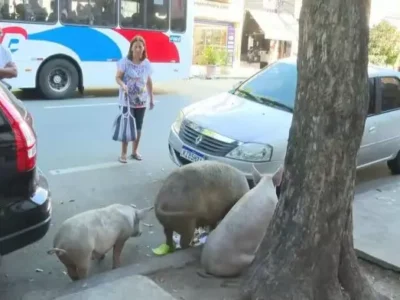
308, 252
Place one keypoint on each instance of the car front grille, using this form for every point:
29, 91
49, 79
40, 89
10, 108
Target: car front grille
207, 144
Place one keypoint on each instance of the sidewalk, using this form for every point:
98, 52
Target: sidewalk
185, 283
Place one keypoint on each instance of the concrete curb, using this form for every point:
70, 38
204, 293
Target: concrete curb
176, 260
376, 261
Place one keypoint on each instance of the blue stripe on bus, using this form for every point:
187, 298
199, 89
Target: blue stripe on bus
89, 44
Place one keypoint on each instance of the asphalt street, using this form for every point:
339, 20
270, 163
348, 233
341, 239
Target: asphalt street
80, 160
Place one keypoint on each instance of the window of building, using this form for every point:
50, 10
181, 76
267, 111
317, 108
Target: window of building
158, 14
30, 11
133, 13
178, 15
206, 35
390, 87
91, 13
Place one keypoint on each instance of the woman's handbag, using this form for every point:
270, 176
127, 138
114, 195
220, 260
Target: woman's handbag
125, 125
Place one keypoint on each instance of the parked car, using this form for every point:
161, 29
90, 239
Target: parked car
25, 202
250, 124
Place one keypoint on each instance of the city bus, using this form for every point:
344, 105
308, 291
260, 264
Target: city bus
60, 46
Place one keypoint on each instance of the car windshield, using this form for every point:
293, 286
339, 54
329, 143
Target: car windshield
275, 86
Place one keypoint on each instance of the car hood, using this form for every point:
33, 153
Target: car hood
240, 119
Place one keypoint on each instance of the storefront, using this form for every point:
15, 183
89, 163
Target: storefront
270, 30
218, 23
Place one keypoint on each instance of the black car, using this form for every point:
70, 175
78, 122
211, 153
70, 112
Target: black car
25, 203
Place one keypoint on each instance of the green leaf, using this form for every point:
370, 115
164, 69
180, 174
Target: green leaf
384, 44
213, 56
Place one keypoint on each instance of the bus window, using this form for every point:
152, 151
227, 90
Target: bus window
53, 16
178, 15
29, 11
92, 13
132, 14
157, 14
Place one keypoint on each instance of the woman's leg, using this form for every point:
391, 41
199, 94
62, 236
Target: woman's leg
124, 151
136, 145
138, 113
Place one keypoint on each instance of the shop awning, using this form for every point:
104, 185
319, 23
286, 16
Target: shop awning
276, 26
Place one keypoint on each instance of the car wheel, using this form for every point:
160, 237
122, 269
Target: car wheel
58, 79
394, 164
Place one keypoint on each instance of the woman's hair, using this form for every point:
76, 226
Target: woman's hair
137, 38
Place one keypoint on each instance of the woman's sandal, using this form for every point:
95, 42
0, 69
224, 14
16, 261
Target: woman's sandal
136, 156
122, 160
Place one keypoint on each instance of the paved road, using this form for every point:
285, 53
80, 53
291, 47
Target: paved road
77, 154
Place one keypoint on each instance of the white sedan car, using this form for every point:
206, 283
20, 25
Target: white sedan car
250, 124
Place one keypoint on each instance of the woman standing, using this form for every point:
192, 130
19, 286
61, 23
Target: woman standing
134, 78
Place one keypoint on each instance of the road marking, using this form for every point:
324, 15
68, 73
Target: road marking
87, 168
85, 105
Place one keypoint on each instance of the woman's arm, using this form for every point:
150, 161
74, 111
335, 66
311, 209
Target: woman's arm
150, 88
118, 78
9, 71
120, 74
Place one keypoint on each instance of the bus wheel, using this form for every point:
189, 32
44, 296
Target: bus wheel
58, 79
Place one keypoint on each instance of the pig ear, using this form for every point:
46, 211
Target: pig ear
277, 177
256, 175
141, 213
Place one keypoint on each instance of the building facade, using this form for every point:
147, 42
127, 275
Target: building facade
218, 23
270, 30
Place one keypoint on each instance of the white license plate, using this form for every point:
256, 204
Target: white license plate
191, 154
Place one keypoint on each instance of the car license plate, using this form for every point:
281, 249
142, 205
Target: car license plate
191, 154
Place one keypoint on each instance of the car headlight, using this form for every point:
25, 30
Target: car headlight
178, 122
251, 152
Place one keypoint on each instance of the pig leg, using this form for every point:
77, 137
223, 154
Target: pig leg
187, 234
119, 245
169, 238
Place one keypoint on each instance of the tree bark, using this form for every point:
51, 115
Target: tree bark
308, 251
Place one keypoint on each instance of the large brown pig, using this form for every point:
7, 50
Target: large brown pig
196, 195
